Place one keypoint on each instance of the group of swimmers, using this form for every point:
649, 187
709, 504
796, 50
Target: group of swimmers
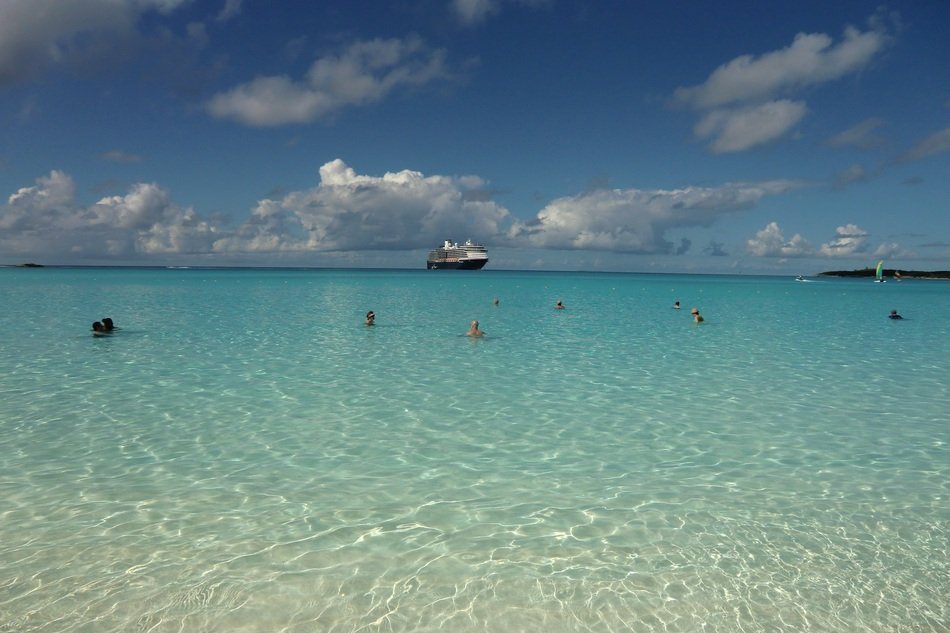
697, 317
103, 328
106, 326
475, 331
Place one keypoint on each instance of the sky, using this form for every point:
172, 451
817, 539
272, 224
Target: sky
739, 137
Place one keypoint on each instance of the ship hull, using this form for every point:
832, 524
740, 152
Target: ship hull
474, 264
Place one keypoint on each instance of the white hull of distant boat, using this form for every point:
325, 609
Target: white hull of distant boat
452, 256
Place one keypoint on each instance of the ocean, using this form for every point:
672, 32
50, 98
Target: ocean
245, 455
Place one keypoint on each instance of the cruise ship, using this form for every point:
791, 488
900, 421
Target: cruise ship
465, 256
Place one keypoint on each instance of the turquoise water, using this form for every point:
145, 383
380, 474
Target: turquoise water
245, 455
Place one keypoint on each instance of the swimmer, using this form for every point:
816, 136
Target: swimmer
676, 305
697, 317
894, 315
107, 324
474, 331
98, 329
370, 318
495, 301
558, 305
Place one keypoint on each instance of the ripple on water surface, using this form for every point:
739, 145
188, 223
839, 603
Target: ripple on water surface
569, 473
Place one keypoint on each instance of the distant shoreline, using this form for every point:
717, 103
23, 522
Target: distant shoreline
859, 273
889, 272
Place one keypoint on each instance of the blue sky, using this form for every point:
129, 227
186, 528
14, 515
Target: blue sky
743, 137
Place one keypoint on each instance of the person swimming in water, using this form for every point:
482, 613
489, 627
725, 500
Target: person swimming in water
107, 324
474, 331
676, 305
370, 318
98, 329
697, 317
894, 315
558, 305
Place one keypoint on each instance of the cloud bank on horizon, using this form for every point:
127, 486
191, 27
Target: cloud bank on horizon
350, 211
347, 211
745, 103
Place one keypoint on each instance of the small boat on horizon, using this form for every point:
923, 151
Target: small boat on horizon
879, 273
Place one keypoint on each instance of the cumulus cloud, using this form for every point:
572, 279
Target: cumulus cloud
936, 143
38, 34
46, 219
35, 208
769, 242
634, 220
741, 96
350, 211
344, 211
849, 240
347, 211
364, 73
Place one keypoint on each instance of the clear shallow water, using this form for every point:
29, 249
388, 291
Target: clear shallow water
245, 455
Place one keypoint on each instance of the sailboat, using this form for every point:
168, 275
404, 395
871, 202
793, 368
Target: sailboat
879, 273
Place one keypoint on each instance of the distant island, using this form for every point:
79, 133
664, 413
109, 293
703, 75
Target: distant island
889, 272
29, 265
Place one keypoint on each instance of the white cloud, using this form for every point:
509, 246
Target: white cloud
46, 220
769, 242
810, 59
345, 211
349, 211
120, 156
860, 136
849, 240
38, 34
473, 11
633, 220
893, 249
936, 143
854, 173
366, 72
740, 97
742, 128
33, 208
231, 9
